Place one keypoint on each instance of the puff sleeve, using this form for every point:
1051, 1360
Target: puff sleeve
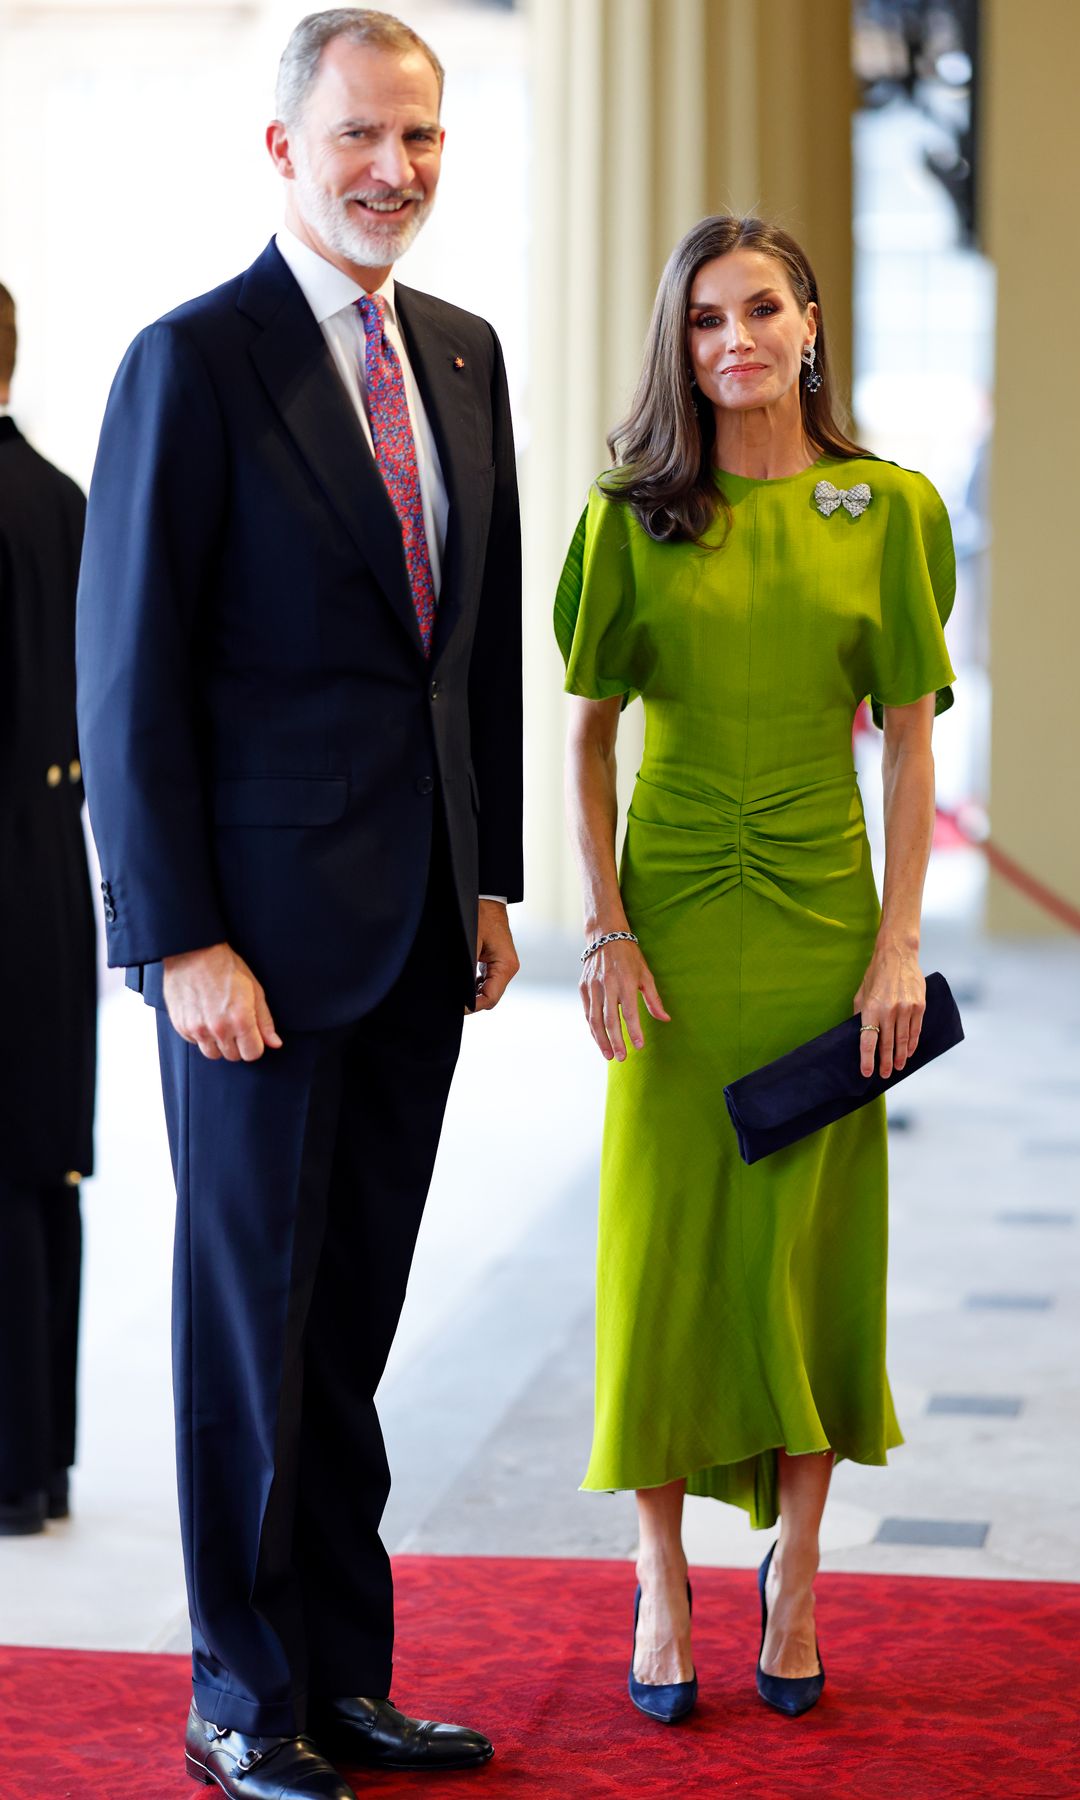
918, 584
594, 605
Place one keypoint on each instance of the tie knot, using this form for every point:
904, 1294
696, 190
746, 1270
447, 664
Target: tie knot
372, 309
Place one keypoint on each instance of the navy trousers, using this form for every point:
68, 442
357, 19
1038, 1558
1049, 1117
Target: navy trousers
301, 1182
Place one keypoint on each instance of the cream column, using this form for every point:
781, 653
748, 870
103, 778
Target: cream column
1030, 154
649, 114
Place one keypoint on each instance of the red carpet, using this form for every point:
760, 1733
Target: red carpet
936, 1690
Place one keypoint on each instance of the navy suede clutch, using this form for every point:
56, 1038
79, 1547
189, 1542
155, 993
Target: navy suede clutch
821, 1081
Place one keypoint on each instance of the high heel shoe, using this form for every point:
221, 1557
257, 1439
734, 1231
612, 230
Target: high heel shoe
790, 1694
669, 1701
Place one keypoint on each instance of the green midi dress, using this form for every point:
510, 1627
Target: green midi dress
742, 1309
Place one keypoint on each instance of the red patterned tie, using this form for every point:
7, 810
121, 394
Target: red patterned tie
395, 456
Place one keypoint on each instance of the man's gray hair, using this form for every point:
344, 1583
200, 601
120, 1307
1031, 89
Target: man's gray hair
360, 25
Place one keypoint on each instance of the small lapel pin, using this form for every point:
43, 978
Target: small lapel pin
459, 362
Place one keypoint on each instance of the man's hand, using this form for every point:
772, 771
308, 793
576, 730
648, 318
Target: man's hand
496, 959
214, 1001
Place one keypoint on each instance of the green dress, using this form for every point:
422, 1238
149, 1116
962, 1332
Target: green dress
742, 1309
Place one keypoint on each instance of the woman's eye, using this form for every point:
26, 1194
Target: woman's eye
707, 321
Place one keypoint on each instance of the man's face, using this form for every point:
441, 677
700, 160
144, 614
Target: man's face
365, 155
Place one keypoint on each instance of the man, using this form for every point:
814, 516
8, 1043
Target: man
299, 644
47, 974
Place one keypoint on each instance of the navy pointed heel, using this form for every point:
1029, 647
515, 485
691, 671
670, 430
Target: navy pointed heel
790, 1694
669, 1702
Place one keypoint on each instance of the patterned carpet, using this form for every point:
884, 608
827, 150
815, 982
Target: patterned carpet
937, 1690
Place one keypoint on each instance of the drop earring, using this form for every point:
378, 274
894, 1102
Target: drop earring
814, 377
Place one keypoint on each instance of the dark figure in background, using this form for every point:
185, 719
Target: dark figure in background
300, 705
47, 974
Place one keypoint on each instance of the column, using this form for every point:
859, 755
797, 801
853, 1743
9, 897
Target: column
649, 114
1030, 153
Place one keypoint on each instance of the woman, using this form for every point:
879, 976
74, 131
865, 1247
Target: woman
754, 575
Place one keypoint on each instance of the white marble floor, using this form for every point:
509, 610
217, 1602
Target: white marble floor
486, 1402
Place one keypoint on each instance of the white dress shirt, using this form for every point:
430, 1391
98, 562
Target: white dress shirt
332, 297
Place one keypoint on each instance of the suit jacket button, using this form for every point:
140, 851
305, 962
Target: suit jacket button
54, 774
425, 784
75, 770
72, 1178
434, 690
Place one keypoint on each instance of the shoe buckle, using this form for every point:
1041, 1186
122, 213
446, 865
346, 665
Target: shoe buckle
250, 1760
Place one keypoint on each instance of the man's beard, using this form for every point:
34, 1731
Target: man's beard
345, 230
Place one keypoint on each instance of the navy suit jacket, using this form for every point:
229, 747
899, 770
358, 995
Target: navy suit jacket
264, 742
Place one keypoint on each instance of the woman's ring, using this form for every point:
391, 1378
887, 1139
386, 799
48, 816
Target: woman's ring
876, 1028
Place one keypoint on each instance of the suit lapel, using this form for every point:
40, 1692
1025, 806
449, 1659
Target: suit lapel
295, 367
450, 400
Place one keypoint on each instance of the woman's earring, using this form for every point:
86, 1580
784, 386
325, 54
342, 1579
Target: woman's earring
814, 377
690, 376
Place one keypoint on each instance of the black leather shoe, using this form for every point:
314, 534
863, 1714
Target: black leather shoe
374, 1735
259, 1768
22, 1514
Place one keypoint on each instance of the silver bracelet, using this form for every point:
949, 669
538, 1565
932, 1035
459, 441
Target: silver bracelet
609, 937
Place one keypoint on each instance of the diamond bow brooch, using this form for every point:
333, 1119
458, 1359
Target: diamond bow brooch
854, 500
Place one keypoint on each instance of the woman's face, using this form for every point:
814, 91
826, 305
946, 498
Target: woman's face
746, 331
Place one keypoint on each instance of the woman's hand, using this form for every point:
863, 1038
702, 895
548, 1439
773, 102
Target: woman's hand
610, 983
892, 997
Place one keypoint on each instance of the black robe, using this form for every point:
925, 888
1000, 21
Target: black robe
48, 975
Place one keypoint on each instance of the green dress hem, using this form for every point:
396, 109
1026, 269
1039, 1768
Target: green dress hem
751, 1482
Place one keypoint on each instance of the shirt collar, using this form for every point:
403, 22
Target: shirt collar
326, 288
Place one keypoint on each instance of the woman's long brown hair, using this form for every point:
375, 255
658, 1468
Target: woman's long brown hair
663, 449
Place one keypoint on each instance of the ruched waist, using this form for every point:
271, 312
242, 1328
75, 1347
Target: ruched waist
790, 846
